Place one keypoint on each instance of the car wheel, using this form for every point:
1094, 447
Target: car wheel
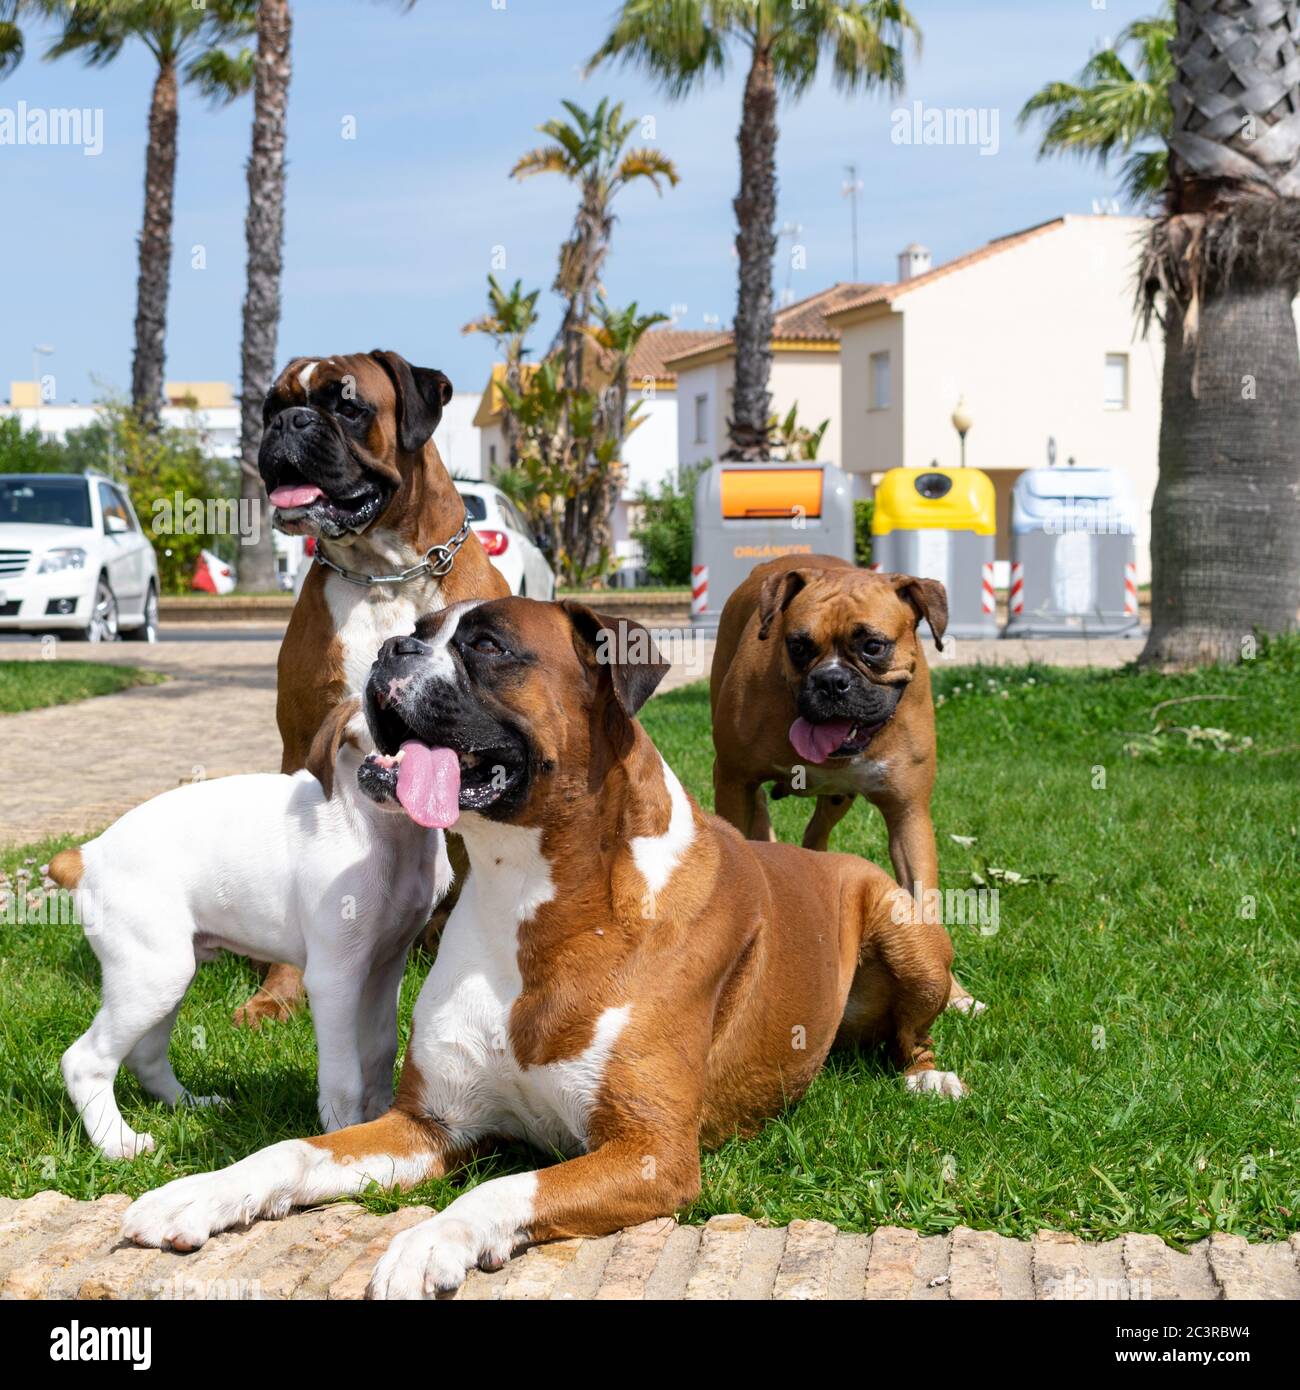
102, 626
148, 630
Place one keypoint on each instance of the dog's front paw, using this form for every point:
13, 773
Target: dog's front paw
432, 1259
182, 1215
965, 1004
943, 1083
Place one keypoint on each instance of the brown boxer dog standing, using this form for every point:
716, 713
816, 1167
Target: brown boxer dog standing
623, 978
348, 457
820, 686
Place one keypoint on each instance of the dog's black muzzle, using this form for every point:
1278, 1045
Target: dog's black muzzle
836, 691
302, 447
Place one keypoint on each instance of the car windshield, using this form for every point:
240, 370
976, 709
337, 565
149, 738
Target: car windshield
45, 501
475, 506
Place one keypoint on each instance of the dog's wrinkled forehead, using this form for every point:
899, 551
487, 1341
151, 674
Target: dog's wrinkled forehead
326, 381
837, 610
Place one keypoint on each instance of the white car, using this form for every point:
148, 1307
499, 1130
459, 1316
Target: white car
508, 540
74, 559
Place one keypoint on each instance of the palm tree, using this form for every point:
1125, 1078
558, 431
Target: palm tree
1222, 265
682, 43
1115, 105
190, 43
588, 150
511, 316
264, 235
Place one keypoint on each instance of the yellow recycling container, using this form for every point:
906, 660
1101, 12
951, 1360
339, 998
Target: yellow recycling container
941, 523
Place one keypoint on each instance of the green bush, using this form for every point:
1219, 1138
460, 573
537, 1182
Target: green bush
667, 527
863, 510
28, 451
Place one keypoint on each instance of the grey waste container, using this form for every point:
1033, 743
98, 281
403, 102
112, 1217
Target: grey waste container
746, 513
941, 523
1073, 554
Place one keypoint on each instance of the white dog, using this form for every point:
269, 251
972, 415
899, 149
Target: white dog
301, 868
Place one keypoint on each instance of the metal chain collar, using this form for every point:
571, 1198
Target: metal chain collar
437, 567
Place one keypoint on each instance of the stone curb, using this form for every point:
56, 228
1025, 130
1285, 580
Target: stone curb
54, 1247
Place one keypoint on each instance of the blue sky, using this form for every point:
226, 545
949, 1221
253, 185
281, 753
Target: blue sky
390, 235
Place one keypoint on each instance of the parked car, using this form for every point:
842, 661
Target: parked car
508, 540
74, 559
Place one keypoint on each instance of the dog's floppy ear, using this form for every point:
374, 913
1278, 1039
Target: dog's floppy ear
330, 737
624, 648
421, 394
775, 595
929, 598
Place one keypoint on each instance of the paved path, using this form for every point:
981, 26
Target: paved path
54, 1247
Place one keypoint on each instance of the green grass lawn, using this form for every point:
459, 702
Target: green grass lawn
1138, 1068
34, 684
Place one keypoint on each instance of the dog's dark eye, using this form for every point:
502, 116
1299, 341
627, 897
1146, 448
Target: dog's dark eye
801, 650
487, 646
350, 410
874, 648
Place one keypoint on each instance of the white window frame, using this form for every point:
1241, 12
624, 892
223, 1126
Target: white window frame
1107, 401
874, 362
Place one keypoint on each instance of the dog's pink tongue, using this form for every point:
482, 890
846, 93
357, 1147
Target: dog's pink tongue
428, 785
298, 495
816, 742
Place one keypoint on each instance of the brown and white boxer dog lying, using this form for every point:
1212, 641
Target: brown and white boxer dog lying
348, 457
820, 686
623, 979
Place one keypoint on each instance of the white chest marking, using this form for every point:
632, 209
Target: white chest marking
656, 856
472, 1081
858, 778
366, 618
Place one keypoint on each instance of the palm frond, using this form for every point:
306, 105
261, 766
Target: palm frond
649, 164
220, 75
546, 159
11, 47
678, 42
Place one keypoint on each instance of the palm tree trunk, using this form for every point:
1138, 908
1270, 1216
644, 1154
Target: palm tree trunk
264, 233
1225, 525
1225, 261
155, 250
755, 207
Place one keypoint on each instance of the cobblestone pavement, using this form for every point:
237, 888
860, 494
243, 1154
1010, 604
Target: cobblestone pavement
216, 714
54, 1247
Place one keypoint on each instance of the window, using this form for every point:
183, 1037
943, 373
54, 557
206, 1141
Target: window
701, 419
475, 506
881, 384
1116, 381
492, 455
111, 504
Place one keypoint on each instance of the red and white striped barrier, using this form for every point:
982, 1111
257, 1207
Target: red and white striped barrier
1130, 590
699, 589
1016, 601
988, 598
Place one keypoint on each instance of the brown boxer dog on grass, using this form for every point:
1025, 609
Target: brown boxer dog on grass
623, 979
820, 686
348, 457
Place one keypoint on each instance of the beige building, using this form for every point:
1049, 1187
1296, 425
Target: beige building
805, 372
1036, 334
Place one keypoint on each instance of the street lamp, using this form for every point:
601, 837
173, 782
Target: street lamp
961, 422
39, 351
